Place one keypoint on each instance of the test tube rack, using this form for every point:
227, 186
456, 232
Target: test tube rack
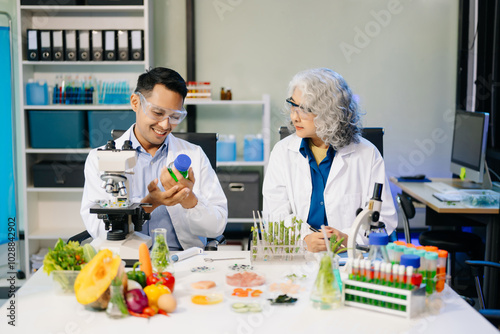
385, 299
265, 252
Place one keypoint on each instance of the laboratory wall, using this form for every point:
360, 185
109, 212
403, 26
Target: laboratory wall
399, 57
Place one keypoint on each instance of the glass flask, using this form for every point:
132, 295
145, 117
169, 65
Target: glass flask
160, 255
326, 292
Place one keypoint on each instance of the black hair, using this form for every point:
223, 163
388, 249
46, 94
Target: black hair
161, 76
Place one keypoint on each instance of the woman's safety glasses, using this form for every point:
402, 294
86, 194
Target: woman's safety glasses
294, 107
159, 114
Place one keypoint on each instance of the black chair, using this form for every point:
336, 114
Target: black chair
374, 135
208, 142
477, 267
449, 240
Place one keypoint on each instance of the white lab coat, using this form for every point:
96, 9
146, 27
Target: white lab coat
355, 169
207, 219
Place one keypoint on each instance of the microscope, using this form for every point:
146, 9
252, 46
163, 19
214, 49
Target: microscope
366, 219
122, 219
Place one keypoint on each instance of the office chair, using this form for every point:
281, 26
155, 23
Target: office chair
491, 315
208, 142
449, 240
373, 135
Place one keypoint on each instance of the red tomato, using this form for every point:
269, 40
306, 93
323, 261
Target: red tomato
164, 278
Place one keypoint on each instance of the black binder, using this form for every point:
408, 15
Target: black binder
70, 45
109, 45
45, 45
57, 45
136, 44
83, 45
32, 45
96, 45
122, 40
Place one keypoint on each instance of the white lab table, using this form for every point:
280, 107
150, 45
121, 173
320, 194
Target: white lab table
39, 309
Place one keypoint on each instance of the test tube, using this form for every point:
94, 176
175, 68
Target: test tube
355, 269
402, 277
398, 250
409, 250
430, 272
421, 253
394, 277
390, 251
441, 270
376, 272
409, 274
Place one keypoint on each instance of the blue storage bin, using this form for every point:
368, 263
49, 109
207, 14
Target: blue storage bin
57, 129
101, 122
226, 148
37, 93
253, 148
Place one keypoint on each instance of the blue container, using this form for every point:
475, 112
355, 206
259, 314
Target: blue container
226, 148
101, 122
253, 148
37, 93
57, 129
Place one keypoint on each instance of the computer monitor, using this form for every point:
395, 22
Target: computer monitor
470, 134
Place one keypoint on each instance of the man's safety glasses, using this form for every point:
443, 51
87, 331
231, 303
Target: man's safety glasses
305, 114
159, 113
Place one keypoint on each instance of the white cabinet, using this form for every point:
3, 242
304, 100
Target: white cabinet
54, 212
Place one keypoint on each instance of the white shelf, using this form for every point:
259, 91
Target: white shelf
51, 213
240, 220
47, 10
240, 163
79, 107
54, 190
223, 102
55, 233
84, 63
58, 150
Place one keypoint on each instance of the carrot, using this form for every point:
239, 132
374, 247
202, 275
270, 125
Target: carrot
145, 259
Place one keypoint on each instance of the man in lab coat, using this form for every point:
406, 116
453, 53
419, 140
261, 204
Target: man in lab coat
325, 171
191, 209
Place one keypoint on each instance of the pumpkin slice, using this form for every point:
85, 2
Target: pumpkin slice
95, 278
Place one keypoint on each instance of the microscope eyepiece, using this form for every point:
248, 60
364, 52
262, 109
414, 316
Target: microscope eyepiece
377, 192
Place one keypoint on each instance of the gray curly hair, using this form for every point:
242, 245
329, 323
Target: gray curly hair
326, 94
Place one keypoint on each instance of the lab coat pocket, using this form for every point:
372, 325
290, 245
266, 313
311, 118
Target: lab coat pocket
350, 203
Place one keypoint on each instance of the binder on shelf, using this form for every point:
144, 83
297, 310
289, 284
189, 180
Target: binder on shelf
122, 39
83, 45
96, 43
32, 45
109, 45
57, 45
70, 45
45, 45
136, 44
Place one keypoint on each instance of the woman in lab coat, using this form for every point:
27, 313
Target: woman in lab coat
324, 171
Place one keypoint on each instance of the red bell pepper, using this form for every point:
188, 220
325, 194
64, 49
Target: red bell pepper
164, 278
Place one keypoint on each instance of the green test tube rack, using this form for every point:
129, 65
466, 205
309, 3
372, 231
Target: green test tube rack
403, 302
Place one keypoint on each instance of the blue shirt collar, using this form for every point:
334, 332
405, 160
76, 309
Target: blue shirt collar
137, 145
305, 150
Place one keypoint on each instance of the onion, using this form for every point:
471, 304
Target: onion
136, 300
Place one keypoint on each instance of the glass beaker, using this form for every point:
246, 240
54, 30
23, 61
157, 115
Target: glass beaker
326, 293
160, 254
